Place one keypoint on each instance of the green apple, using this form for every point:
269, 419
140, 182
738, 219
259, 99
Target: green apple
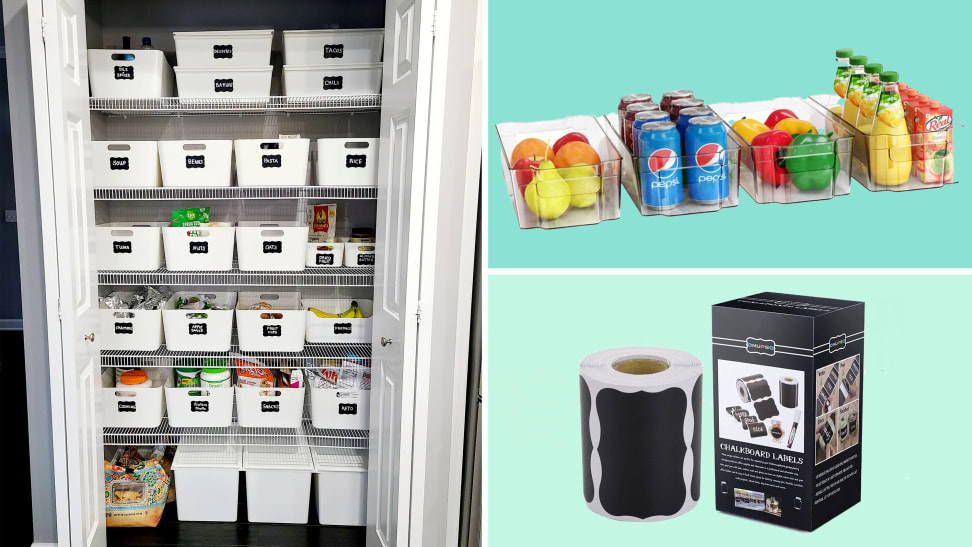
584, 184
548, 196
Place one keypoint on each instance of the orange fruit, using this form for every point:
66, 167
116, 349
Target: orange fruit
531, 147
576, 153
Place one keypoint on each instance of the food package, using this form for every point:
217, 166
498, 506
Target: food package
201, 302
290, 377
251, 372
192, 216
138, 484
343, 375
321, 222
144, 298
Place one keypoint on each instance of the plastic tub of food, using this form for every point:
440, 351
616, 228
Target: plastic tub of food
199, 329
340, 486
314, 80
208, 481
347, 162
268, 321
332, 46
125, 406
223, 48
272, 162
278, 481
338, 329
135, 246
247, 82
271, 246
126, 164
190, 248
129, 73
324, 255
205, 163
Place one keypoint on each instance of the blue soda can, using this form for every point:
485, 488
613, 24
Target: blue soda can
641, 118
708, 164
660, 165
687, 114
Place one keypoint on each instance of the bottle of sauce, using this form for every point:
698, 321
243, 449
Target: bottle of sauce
869, 100
146, 43
889, 151
855, 89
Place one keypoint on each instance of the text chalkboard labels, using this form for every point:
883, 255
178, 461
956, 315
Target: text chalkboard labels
124, 72
333, 82
333, 51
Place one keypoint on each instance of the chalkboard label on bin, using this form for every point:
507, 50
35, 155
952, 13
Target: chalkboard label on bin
333, 82
126, 406
197, 328
124, 328
222, 51
195, 162
355, 160
198, 247
333, 51
271, 330
366, 259
342, 328
116, 164
269, 406
199, 406
347, 408
124, 73
223, 85
325, 259
118, 247
272, 247
271, 160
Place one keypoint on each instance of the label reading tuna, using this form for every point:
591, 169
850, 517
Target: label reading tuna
272, 247
223, 51
124, 328
342, 328
124, 73
355, 160
195, 162
333, 82
269, 406
198, 406
121, 247
223, 85
348, 408
272, 160
271, 330
118, 163
198, 247
197, 328
126, 406
333, 51
366, 259
325, 259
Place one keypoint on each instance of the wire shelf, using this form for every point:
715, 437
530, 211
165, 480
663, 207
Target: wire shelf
360, 354
308, 277
237, 192
305, 435
188, 106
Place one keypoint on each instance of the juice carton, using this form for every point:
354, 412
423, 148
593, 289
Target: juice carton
933, 137
908, 99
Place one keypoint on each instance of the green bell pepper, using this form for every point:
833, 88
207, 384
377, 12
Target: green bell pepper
811, 160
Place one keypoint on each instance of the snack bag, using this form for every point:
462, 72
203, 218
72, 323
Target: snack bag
251, 373
288, 377
321, 222
137, 487
193, 216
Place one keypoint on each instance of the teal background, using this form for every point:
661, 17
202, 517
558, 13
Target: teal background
915, 455
550, 59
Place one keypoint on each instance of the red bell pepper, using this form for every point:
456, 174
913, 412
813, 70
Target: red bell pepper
765, 148
778, 115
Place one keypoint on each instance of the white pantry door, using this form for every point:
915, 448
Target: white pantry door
401, 180
63, 145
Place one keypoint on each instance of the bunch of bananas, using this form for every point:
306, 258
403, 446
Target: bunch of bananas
351, 313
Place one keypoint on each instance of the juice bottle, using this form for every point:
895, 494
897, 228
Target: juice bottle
889, 151
842, 77
933, 137
855, 89
869, 100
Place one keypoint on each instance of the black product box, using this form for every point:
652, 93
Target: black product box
787, 375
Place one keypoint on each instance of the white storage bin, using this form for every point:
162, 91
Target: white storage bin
196, 163
281, 328
278, 480
347, 162
129, 73
272, 162
126, 164
139, 330
270, 406
271, 246
313, 80
325, 47
129, 245
340, 408
329, 329
134, 406
189, 248
324, 255
340, 486
359, 254
238, 82
223, 48
208, 481
199, 406
187, 330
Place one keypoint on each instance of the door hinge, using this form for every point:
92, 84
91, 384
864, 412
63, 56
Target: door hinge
43, 24
418, 313
60, 312
435, 21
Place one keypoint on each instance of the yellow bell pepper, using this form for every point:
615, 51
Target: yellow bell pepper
747, 128
795, 127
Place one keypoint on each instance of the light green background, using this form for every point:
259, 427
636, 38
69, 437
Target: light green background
550, 59
915, 472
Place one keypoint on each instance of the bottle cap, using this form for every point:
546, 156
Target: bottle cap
214, 370
889, 76
922, 98
858, 60
903, 87
844, 53
146, 40
874, 68
934, 104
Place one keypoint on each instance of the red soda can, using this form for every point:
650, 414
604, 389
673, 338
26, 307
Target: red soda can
669, 96
628, 100
679, 104
629, 116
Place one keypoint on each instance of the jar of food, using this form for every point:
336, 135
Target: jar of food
119, 371
187, 377
215, 377
135, 378
363, 235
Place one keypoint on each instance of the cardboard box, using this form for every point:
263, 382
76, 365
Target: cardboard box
788, 375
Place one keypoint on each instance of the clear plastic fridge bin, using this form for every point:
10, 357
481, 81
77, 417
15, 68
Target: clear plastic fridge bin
868, 150
631, 175
756, 159
606, 206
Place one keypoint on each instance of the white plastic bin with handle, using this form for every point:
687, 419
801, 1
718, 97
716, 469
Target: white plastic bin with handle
340, 486
124, 406
223, 48
135, 246
272, 162
333, 46
208, 481
190, 248
278, 483
129, 73
199, 406
271, 246
199, 330
340, 408
324, 255
125, 164
270, 406
280, 328
347, 162
338, 329
136, 330
245, 82
204, 163
359, 255
315, 80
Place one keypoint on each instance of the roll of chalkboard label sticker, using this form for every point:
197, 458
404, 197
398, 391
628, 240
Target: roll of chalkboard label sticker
826, 433
641, 405
752, 388
789, 392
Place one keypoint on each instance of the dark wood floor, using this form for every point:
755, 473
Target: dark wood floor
171, 531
